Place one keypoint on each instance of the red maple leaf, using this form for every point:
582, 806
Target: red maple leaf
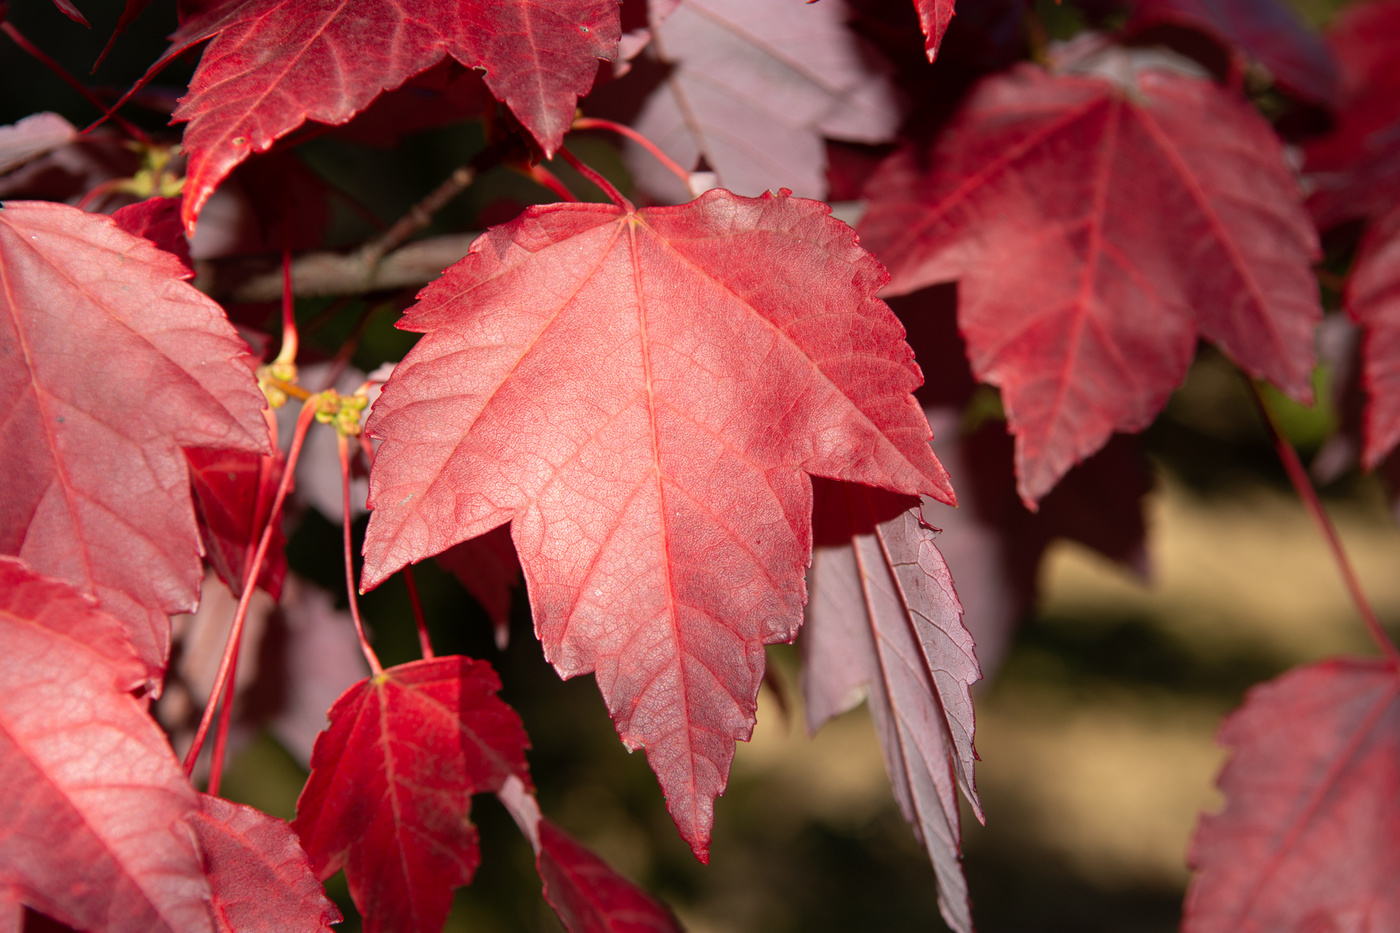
884, 621
273, 64
158, 220
1265, 30
1355, 169
92, 831
643, 394
391, 784
115, 364
1373, 299
233, 495
1310, 835
934, 17
489, 570
260, 876
1043, 199
752, 88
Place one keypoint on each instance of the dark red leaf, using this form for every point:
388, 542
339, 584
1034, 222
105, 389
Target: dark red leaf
158, 220
114, 365
752, 88
67, 8
716, 354
589, 896
1355, 169
273, 64
92, 831
260, 876
1373, 299
487, 566
270, 203
885, 623
444, 94
1043, 200
391, 783
1267, 31
227, 487
32, 137
1310, 835
934, 17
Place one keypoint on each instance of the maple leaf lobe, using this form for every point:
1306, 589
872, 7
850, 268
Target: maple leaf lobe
643, 394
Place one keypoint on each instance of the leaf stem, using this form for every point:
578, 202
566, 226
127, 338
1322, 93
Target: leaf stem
593, 123
603, 184
343, 447
424, 641
132, 130
1302, 483
308, 413
547, 179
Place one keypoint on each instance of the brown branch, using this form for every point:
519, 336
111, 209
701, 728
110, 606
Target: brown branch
327, 273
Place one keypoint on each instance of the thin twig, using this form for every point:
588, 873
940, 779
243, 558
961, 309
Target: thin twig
418, 216
1304, 487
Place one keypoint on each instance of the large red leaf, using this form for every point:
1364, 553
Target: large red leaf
884, 622
1268, 31
1310, 835
273, 64
260, 876
1355, 169
643, 395
1373, 298
113, 365
1045, 200
92, 829
391, 784
752, 88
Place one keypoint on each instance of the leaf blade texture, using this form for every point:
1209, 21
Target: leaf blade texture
260, 876
712, 356
119, 364
93, 829
272, 64
1372, 298
885, 622
1074, 299
1308, 837
391, 784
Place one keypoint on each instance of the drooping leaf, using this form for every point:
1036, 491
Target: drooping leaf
584, 891
489, 570
1043, 200
273, 64
752, 88
1267, 31
1354, 170
113, 364
92, 830
885, 623
934, 17
233, 496
391, 783
260, 876
643, 395
158, 220
1373, 299
1310, 835
31, 137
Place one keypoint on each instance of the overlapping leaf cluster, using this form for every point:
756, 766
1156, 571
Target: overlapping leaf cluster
696, 417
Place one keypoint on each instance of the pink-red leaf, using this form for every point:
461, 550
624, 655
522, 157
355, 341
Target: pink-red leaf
884, 622
1044, 199
391, 783
752, 88
1310, 835
1268, 31
273, 64
260, 876
934, 17
92, 829
233, 495
1373, 299
113, 364
643, 395
588, 895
